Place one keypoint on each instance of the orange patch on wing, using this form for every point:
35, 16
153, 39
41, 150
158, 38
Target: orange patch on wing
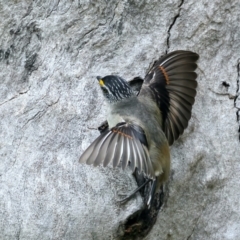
125, 135
164, 74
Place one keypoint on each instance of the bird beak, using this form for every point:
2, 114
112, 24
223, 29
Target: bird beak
100, 81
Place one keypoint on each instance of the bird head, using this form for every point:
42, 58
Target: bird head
115, 88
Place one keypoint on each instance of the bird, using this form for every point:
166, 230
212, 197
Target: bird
146, 115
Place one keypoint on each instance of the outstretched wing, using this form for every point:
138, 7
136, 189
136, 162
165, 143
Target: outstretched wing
172, 81
125, 143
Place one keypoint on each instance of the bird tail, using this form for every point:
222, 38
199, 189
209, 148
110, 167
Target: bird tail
150, 190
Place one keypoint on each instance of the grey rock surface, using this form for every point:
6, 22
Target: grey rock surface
50, 53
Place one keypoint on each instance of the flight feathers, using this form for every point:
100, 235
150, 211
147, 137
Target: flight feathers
123, 144
172, 82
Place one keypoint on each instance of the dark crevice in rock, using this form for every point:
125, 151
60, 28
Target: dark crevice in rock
141, 222
225, 84
84, 39
237, 97
194, 227
114, 13
35, 116
238, 78
30, 63
15, 96
238, 119
29, 10
118, 25
230, 96
172, 24
53, 9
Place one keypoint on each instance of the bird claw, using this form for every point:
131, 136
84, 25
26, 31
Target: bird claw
134, 192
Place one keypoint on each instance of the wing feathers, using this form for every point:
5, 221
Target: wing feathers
138, 156
181, 66
172, 81
85, 158
133, 155
150, 172
123, 144
172, 57
111, 149
126, 151
126, 154
119, 151
102, 154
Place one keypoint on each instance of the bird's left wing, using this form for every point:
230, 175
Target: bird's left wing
125, 143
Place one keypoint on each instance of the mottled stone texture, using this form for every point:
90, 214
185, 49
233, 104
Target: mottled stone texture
50, 53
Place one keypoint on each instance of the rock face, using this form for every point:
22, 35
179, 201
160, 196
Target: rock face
50, 53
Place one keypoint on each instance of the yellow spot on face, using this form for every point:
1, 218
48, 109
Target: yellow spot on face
101, 82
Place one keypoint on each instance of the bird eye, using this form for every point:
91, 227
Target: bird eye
104, 90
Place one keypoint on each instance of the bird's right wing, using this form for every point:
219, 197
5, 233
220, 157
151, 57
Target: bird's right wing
172, 83
125, 143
